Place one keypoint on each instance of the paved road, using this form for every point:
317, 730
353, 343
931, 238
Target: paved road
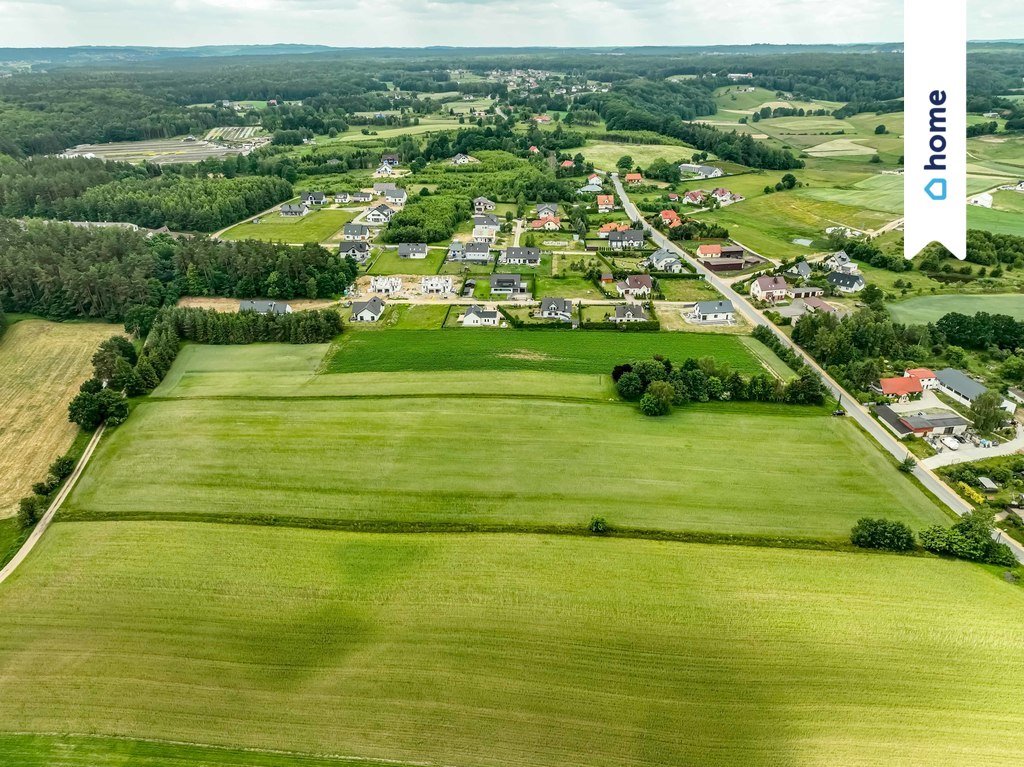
931, 481
47, 518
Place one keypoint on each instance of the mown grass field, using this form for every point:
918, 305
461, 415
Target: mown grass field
389, 262
42, 364
316, 226
930, 308
559, 351
881, 192
605, 154
506, 448
998, 221
507, 650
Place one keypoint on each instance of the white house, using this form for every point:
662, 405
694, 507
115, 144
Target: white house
386, 286
840, 262
294, 209
846, 283
367, 311
416, 250
770, 288
379, 215
924, 375
461, 159
628, 313
437, 285
714, 313
664, 261
483, 205
360, 251
314, 198
700, 171
556, 309
635, 286
630, 239
509, 285
521, 256
396, 197
477, 317
383, 171
356, 233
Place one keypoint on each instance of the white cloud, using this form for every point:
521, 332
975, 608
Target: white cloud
370, 23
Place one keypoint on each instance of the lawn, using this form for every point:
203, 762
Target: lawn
545, 350
42, 364
881, 192
316, 226
931, 308
487, 650
998, 221
389, 262
604, 154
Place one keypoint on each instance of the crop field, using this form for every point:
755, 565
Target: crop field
554, 652
605, 154
42, 364
167, 150
555, 351
233, 133
881, 192
931, 308
998, 221
316, 226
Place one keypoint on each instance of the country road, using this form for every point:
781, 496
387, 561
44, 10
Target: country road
931, 481
47, 518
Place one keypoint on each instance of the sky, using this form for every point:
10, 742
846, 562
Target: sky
414, 23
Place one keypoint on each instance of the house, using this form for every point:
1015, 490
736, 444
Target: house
628, 313
710, 250
593, 178
770, 288
342, 198
521, 256
355, 233
534, 150
568, 164
417, 250
385, 285
924, 424
462, 159
924, 375
547, 209
509, 285
808, 291
360, 251
380, 215
590, 189
485, 228
367, 311
673, 197
383, 171
548, 224
382, 187
840, 262
630, 239
983, 200
695, 197
846, 283
725, 197
476, 317
475, 253
899, 389
635, 286
815, 304
556, 309
294, 209
396, 197
801, 270
361, 197
542, 119
314, 198
845, 231
664, 261
670, 218
612, 226
264, 307
483, 205
960, 387
605, 203
714, 313
390, 159
437, 285
634, 179
701, 171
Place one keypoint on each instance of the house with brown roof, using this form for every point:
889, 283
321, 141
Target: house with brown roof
635, 286
770, 288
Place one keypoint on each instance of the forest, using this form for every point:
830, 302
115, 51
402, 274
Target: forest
61, 271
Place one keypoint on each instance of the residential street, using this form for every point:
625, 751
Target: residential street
864, 419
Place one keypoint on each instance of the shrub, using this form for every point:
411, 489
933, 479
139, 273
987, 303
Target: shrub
598, 526
658, 399
882, 534
970, 538
30, 509
62, 467
629, 386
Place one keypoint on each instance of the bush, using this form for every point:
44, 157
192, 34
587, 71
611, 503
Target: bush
658, 399
629, 386
62, 467
882, 534
30, 509
598, 526
970, 539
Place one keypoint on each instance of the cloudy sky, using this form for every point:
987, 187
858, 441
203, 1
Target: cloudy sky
374, 23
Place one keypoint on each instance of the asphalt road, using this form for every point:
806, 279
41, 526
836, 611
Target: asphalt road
854, 409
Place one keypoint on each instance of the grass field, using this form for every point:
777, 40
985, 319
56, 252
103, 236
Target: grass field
42, 364
507, 650
389, 262
604, 154
556, 351
881, 192
998, 221
931, 308
317, 226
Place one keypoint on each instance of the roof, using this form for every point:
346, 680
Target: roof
899, 386
540, 223
397, 194
486, 219
483, 200
590, 189
556, 305
627, 235
479, 311
568, 164
845, 280
892, 418
507, 280
634, 177
768, 284
263, 307
920, 372
605, 199
613, 226
478, 247
530, 253
839, 257
960, 383
635, 281
347, 247
292, 206
709, 250
375, 305
623, 310
801, 268
356, 229
412, 247
714, 307
816, 303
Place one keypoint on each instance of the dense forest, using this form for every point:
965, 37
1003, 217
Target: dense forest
62, 271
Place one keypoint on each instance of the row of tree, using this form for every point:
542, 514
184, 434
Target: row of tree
982, 330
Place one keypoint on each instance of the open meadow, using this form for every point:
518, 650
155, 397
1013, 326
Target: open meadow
316, 226
931, 308
42, 364
483, 650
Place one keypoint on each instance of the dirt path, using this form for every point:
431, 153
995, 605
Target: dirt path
65, 491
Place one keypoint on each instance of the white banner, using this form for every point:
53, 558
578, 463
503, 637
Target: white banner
934, 136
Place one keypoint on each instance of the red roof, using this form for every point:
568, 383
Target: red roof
898, 387
605, 199
920, 373
669, 214
709, 250
634, 177
534, 149
540, 222
613, 226
568, 164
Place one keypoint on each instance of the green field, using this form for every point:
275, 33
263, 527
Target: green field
881, 192
507, 650
556, 351
931, 308
389, 262
316, 226
998, 221
605, 154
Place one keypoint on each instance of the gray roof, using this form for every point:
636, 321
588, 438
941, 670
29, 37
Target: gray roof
384, 186
704, 170
456, 247
960, 383
531, 254
396, 194
801, 268
590, 189
315, 195
630, 235
292, 207
406, 248
486, 219
622, 310
483, 201
845, 280
714, 307
375, 305
356, 229
263, 307
349, 247
556, 305
382, 208
892, 418
479, 311
549, 206
839, 257
479, 248
506, 280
